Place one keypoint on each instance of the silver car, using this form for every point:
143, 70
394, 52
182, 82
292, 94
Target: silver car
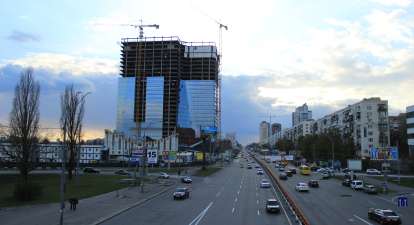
374, 171
272, 205
163, 175
265, 183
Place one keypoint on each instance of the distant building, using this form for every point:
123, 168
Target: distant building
276, 127
232, 137
410, 129
263, 131
301, 114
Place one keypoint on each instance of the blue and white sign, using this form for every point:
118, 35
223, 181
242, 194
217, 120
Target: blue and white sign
384, 184
402, 202
374, 153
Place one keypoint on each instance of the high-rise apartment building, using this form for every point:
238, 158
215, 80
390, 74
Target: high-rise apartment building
410, 129
263, 131
167, 84
232, 138
301, 114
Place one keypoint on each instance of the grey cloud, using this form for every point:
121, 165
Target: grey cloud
20, 36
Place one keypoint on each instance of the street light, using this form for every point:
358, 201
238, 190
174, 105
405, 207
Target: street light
80, 128
333, 153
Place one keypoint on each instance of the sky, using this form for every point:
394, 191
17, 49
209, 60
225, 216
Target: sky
277, 55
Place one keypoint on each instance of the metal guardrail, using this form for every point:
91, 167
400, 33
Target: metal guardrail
295, 210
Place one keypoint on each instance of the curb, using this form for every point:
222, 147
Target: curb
138, 203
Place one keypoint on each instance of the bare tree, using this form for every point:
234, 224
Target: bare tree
23, 133
73, 109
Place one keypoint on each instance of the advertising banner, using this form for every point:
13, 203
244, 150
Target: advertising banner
199, 156
378, 153
267, 157
208, 132
274, 158
288, 157
274, 151
169, 155
135, 154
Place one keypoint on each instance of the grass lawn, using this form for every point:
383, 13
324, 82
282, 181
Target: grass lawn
380, 189
89, 185
405, 181
206, 172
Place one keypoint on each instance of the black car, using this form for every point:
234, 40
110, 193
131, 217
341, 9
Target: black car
313, 183
315, 168
90, 170
293, 170
186, 179
346, 183
122, 172
283, 176
289, 173
182, 193
348, 176
385, 216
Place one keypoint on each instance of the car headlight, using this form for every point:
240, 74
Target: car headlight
174, 193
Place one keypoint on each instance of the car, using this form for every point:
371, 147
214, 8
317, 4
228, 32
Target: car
162, 175
346, 183
288, 173
357, 184
249, 166
253, 161
277, 165
345, 170
293, 170
374, 171
301, 187
315, 168
325, 169
326, 175
272, 205
186, 179
122, 172
241, 166
268, 161
264, 183
281, 169
313, 183
348, 176
283, 176
385, 216
182, 192
90, 170
370, 189
257, 166
260, 172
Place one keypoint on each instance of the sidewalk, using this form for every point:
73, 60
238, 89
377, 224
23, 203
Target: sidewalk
93, 210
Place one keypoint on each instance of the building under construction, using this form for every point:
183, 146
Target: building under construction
167, 83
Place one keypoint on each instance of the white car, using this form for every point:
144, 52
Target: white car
281, 168
374, 171
301, 187
257, 166
357, 184
325, 169
277, 165
265, 183
162, 175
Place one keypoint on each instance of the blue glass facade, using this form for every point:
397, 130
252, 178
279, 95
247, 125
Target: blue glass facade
152, 127
125, 124
196, 103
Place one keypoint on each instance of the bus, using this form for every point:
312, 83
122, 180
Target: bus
304, 170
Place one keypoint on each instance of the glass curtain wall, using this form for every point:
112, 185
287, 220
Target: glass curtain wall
125, 124
152, 127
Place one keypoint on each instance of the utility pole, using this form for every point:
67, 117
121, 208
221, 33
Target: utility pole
62, 178
77, 166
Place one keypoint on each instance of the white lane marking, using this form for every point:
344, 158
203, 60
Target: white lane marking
314, 202
238, 192
256, 188
236, 200
335, 202
373, 203
232, 210
258, 213
199, 217
257, 194
363, 220
240, 186
218, 194
386, 200
257, 201
326, 213
322, 194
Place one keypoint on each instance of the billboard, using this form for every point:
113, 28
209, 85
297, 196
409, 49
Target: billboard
200, 156
354, 164
198, 132
208, 132
169, 155
294, 153
378, 153
135, 154
274, 151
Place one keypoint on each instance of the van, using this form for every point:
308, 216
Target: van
357, 184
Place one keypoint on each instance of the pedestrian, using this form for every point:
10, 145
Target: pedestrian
74, 202
179, 173
71, 202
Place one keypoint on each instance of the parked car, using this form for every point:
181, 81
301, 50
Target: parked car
277, 165
385, 216
370, 189
348, 176
122, 172
345, 170
272, 205
374, 171
315, 168
162, 175
288, 173
283, 176
90, 170
357, 184
293, 170
186, 179
346, 183
265, 183
259, 172
301, 187
326, 175
182, 192
313, 183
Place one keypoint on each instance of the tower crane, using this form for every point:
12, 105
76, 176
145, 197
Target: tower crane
138, 69
220, 62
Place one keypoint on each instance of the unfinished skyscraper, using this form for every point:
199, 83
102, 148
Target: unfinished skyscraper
175, 86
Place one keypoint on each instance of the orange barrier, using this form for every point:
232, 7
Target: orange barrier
302, 217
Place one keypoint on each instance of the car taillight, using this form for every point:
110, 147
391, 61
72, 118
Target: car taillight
388, 219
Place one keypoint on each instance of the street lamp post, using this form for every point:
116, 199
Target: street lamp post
333, 153
385, 156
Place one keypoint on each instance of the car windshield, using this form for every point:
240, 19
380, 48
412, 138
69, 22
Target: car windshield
302, 184
371, 187
273, 203
186, 177
265, 181
390, 214
180, 190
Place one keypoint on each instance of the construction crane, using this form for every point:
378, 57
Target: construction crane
270, 127
220, 62
138, 71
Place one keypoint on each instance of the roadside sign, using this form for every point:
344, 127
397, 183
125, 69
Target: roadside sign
152, 156
386, 167
384, 184
402, 202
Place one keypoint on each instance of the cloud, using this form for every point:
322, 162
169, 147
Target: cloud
403, 3
20, 36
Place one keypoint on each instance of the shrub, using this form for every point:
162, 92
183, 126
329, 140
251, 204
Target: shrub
27, 191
